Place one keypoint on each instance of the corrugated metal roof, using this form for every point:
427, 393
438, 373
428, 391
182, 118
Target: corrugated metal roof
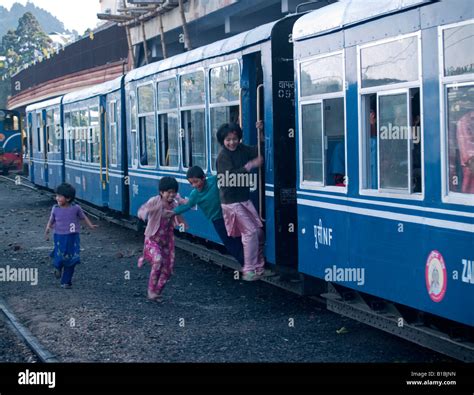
218, 48
348, 12
43, 104
101, 89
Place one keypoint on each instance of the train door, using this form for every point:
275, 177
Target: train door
252, 108
116, 163
283, 148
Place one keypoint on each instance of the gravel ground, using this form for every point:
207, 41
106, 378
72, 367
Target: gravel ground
206, 316
12, 348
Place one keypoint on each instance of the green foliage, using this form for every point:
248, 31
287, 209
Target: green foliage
27, 44
9, 19
4, 92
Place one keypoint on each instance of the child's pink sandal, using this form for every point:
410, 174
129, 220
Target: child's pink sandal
141, 262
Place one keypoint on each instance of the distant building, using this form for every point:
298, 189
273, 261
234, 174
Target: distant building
60, 40
109, 6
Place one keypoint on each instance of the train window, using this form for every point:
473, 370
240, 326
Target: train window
219, 116
167, 95
224, 107
392, 125
94, 137
323, 142
10, 121
193, 124
145, 99
312, 138
146, 126
321, 75
194, 143
169, 131
67, 134
16, 123
57, 130
390, 63
460, 138
84, 125
39, 132
133, 129
113, 132
133, 112
323, 153
147, 141
75, 147
192, 89
458, 55
168, 125
51, 135
225, 83
29, 137
457, 69
391, 129
393, 163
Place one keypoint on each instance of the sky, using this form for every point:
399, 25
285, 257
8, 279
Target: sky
75, 14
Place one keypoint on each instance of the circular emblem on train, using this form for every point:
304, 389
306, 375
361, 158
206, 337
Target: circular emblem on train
2, 137
436, 277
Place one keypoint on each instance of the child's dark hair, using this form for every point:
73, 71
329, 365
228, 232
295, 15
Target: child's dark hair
195, 172
227, 128
167, 183
66, 190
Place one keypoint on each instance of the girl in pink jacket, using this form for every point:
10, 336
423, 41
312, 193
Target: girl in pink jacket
159, 237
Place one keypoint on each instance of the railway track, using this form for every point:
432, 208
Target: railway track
25, 335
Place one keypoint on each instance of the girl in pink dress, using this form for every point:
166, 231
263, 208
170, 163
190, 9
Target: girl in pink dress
159, 237
234, 164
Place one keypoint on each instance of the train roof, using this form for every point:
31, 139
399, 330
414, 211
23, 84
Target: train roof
345, 13
225, 46
44, 104
96, 90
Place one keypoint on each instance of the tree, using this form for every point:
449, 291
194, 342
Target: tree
27, 44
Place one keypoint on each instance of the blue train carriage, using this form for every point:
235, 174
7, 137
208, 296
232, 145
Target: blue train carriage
10, 141
95, 160
385, 104
175, 107
45, 143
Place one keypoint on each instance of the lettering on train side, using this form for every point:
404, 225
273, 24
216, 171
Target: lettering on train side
134, 189
286, 89
322, 235
467, 271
